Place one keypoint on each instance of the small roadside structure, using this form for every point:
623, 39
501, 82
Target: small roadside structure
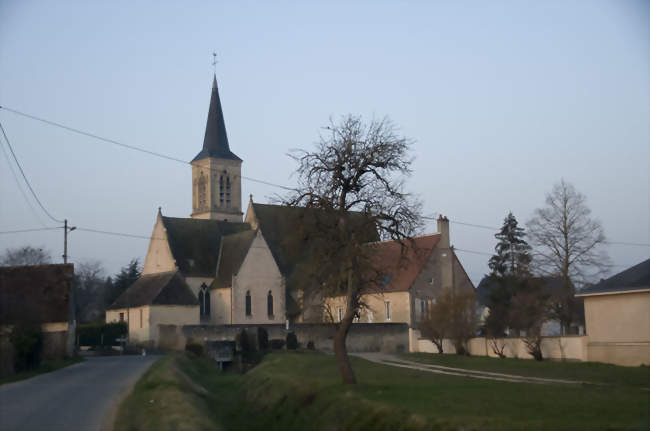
39, 297
617, 317
154, 299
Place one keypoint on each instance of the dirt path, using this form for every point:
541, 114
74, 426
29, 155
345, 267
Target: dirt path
394, 361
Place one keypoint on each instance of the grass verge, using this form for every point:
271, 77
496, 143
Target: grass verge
45, 367
595, 372
302, 391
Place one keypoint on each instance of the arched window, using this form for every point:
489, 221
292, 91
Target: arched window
201, 302
221, 190
204, 300
269, 304
202, 191
248, 303
228, 192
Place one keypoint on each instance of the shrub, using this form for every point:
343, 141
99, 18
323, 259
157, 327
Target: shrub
244, 342
310, 345
97, 334
262, 338
292, 341
277, 344
27, 342
195, 348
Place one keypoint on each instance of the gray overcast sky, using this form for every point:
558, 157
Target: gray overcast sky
503, 98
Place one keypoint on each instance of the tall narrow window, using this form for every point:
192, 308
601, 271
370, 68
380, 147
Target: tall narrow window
248, 303
340, 311
202, 191
269, 304
423, 307
121, 317
221, 190
387, 310
228, 192
201, 303
141, 317
204, 300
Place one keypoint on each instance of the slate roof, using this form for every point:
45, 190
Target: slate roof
636, 277
402, 265
36, 294
164, 288
278, 222
195, 243
215, 141
233, 252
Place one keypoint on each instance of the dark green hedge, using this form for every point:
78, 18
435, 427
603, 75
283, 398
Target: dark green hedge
90, 334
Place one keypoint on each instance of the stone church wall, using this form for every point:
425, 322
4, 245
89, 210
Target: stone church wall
363, 337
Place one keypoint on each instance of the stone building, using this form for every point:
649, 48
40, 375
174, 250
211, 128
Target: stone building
412, 279
215, 269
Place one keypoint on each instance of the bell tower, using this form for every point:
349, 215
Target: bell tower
216, 171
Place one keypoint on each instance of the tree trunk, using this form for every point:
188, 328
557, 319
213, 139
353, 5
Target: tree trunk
342, 358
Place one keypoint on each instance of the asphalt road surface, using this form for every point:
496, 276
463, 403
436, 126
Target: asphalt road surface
83, 396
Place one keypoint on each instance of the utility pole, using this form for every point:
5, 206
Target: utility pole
66, 229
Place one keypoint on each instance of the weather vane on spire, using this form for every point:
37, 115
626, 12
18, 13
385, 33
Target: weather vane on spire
214, 62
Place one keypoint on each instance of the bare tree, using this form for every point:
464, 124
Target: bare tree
26, 255
528, 312
436, 324
352, 185
464, 320
89, 291
568, 243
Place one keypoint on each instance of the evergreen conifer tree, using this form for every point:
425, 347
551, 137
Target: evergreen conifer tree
512, 255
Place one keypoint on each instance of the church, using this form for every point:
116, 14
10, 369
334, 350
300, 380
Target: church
221, 267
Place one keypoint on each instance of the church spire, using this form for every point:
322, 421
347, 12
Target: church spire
215, 142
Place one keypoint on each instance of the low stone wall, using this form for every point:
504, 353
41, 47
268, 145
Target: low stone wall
565, 348
363, 337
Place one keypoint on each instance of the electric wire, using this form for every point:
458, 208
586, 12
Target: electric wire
130, 147
157, 154
22, 191
25, 177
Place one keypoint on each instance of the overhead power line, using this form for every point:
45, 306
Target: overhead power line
175, 159
130, 147
25, 177
28, 230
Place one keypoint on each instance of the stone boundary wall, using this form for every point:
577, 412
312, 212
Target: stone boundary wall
570, 347
363, 337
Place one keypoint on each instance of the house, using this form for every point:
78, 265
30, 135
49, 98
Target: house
38, 296
411, 281
617, 317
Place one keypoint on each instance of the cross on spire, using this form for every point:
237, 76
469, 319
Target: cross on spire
214, 62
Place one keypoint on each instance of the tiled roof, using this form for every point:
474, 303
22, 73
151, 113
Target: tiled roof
278, 223
636, 277
195, 243
35, 294
400, 264
165, 288
233, 252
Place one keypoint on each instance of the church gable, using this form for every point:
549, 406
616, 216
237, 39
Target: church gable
159, 255
258, 292
234, 249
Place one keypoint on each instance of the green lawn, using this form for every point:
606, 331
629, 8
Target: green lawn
583, 371
45, 367
302, 391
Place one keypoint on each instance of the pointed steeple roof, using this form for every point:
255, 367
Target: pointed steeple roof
215, 142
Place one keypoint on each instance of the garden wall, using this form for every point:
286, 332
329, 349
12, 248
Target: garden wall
571, 347
363, 337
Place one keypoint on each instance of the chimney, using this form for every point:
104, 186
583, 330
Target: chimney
443, 230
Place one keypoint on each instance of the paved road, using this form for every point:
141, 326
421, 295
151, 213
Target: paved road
79, 397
